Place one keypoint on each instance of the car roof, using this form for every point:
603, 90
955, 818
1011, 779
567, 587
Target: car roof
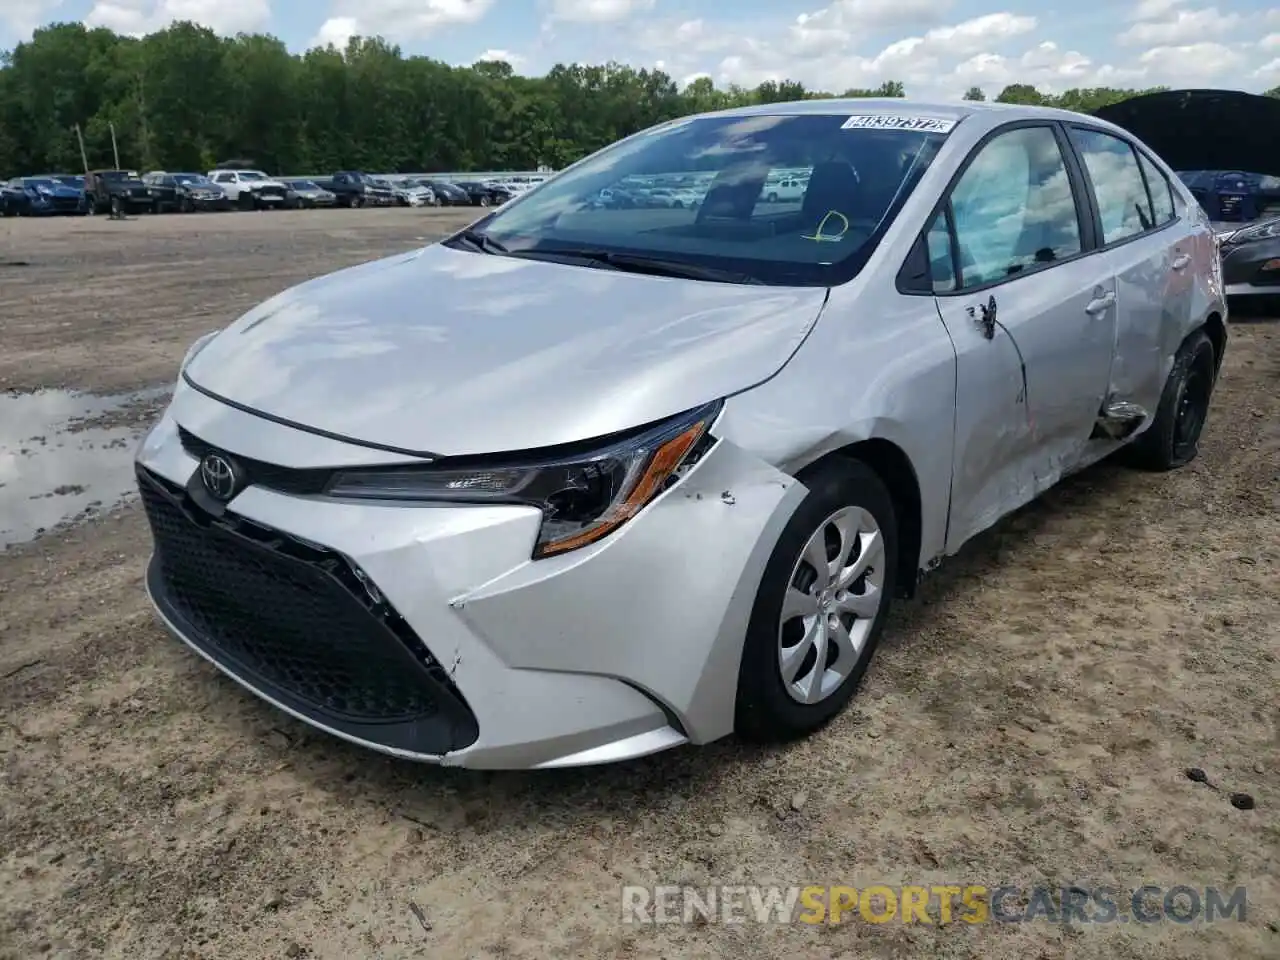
894, 106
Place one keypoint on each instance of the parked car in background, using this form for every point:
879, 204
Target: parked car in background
307, 194
250, 189
185, 192
46, 196
486, 194
357, 189
118, 191
1251, 260
13, 199
414, 193
789, 190
449, 194
431, 545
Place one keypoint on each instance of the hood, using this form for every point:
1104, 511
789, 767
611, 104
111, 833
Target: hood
1204, 129
449, 352
257, 184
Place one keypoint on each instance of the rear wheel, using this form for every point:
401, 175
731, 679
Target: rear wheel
773, 198
821, 605
1173, 439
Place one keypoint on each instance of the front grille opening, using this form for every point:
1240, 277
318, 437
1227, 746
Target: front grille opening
297, 622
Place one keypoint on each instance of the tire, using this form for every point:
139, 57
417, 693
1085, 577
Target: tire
483, 201
185, 205
767, 709
245, 200
1173, 439
773, 198
117, 207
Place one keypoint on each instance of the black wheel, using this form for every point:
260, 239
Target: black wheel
117, 207
185, 205
821, 606
1173, 439
773, 198
245, 200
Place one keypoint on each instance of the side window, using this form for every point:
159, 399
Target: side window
223, 178
1161, 191
937, 243
1113, 170
1014, 208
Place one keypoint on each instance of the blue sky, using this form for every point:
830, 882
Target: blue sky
938, 48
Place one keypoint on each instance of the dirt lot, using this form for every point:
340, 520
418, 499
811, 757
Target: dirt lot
1029, 719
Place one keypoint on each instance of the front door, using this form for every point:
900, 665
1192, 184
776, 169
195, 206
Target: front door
1033, 318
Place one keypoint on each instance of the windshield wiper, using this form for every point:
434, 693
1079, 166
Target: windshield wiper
478, 241
654, 266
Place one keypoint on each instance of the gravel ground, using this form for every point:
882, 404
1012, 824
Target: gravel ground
1029, 718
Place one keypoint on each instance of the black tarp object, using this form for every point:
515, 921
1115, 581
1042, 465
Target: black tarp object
1204, 129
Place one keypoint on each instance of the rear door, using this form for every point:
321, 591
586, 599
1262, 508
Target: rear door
1031, 312
1150, 254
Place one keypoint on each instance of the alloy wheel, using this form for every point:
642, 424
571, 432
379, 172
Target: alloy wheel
833, 595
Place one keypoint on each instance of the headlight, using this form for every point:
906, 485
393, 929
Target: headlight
583, 496
1262, 231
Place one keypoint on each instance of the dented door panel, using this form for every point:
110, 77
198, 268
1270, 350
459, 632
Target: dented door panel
1014, 439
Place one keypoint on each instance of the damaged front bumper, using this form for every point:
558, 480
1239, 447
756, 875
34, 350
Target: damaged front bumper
426, 631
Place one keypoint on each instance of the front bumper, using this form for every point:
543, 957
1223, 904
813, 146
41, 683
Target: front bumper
615, 651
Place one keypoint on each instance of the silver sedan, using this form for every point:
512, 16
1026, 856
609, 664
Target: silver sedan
581, 483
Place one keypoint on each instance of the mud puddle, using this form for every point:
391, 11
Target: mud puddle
64, 456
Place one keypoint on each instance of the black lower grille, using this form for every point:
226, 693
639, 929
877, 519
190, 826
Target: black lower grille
300, 624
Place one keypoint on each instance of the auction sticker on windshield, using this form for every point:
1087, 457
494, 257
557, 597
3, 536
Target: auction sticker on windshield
881, 121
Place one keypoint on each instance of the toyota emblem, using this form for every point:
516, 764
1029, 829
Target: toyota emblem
219, 476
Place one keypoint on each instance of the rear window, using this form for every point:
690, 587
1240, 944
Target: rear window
698, 190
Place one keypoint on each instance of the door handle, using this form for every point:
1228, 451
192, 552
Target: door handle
1181, 261
1100, 305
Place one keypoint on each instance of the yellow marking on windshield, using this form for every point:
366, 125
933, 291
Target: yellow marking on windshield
819, 236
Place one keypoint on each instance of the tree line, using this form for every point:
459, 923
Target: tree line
185, 98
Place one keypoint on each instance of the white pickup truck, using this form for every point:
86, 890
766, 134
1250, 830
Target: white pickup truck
251, 189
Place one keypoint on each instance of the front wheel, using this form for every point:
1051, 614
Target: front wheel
483, 201
1173, 439
821, 605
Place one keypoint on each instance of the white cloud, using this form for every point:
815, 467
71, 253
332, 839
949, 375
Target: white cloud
1269, 43
23, 16
1154, 9
398, 20
1184, 27
139, 17
1190, 65
598, 11
336, 31
503, 56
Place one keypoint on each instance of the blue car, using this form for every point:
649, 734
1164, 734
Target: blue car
48, 195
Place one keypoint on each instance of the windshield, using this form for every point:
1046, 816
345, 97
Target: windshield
195, 179
252, 175
118, 175
303, 185
620, 200
40, 182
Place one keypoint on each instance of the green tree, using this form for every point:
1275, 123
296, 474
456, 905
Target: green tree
975, 93
185, 98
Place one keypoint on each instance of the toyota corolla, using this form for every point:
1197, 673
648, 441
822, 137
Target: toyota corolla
579, 484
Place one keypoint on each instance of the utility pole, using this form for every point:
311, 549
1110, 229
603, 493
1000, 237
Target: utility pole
84, 158
115, 151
